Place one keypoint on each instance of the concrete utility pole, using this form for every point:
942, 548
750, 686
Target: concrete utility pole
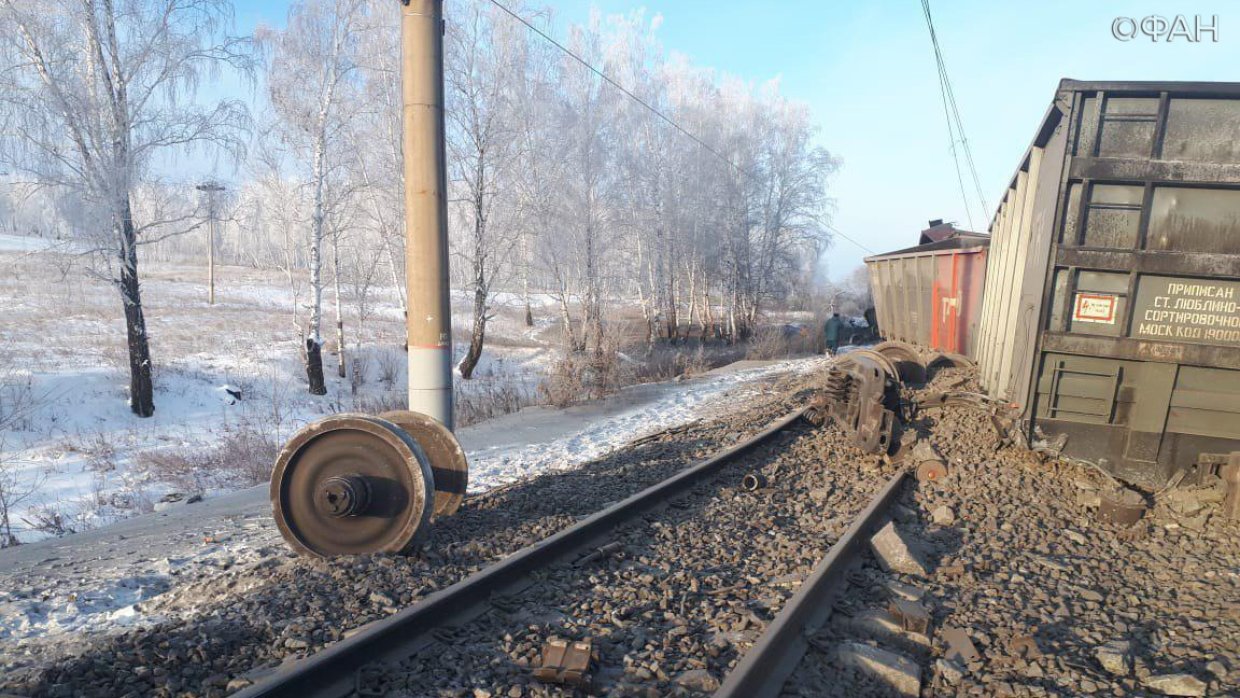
429, 320
210, 188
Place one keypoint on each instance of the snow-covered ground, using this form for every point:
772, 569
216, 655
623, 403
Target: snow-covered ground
620, 422
72, 456
21, 243
89, 583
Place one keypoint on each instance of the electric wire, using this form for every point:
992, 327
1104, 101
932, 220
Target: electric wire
955, 107
572, 54
671, 122
951, 131
951, 111
836, 231
951, 136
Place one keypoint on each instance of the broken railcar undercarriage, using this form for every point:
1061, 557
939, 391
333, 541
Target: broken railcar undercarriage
863, 395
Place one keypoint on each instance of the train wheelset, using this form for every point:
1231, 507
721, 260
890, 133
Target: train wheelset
351, 484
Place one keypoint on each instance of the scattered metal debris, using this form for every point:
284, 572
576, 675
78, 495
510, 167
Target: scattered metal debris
1003, 415
1121, 506
929, 465
599, 553
752, 482
931, 470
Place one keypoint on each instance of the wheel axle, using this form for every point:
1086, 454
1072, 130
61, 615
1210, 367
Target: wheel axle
352, 484
343, 495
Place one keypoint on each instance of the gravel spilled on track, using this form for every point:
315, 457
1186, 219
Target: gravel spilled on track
1024, 558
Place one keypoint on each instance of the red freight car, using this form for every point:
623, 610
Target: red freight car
931, 295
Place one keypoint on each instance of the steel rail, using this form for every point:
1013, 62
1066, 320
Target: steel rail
765, 668
332, 672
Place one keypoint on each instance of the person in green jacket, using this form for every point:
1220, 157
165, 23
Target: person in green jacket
832, 332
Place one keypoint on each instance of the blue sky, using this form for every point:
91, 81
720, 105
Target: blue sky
866, 70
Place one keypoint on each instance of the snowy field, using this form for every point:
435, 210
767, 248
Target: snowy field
72, 456
73, 459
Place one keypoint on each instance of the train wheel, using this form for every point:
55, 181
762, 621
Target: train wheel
906, 359
941, 359
447, 458
352, 484
881, 360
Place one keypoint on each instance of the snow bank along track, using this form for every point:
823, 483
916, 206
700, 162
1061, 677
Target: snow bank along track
645, 566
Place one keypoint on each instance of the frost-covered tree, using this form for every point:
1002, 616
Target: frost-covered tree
92, 93
484, 74
313, 80
374, 140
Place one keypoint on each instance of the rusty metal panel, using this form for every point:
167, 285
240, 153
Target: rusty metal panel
930, 299
974, 280
925, 285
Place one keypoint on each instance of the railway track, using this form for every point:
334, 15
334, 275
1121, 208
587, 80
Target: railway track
334, 671
673, 584
713, 581
763, 671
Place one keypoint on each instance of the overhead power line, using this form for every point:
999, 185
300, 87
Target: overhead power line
624, 90
955, 125
572, 54
836, 231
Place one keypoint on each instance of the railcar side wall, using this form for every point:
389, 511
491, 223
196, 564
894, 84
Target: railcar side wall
1112, 305
930, 299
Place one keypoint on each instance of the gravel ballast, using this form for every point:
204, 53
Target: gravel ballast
689, 590
1055, 602
1018, 567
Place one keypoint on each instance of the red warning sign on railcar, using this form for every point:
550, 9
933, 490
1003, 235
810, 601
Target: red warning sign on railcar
1095, 307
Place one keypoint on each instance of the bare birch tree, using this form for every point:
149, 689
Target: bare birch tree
485, 66
312, 79
95, 91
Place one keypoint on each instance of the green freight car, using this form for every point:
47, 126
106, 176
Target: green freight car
1112, 305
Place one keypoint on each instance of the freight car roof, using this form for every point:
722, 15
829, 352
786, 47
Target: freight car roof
1181, 87
968, 241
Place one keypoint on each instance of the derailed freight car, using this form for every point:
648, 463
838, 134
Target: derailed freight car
931, 295
1112, 308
